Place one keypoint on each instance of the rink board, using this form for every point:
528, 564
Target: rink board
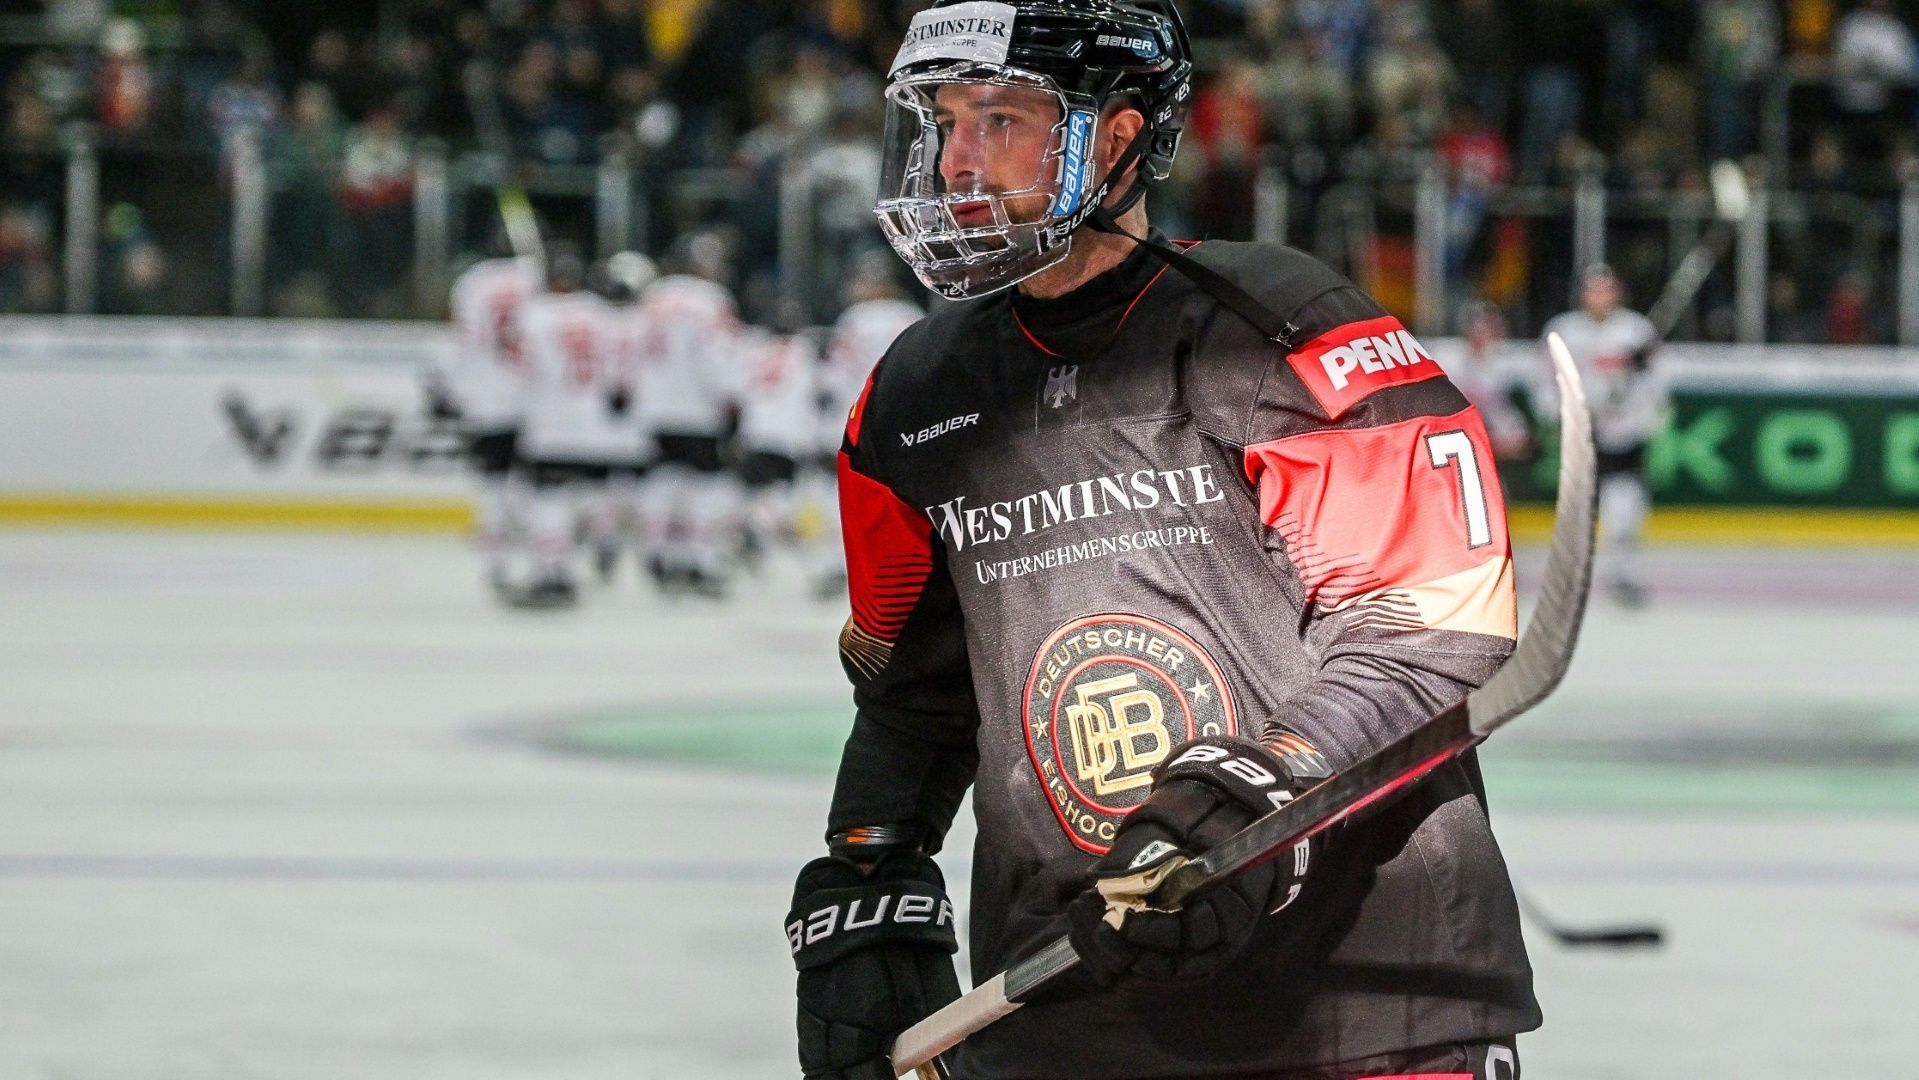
224, 422
318, 425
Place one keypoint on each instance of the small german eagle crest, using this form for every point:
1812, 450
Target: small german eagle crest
1062, 387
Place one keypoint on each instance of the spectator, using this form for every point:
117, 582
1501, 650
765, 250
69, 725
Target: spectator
1850, 318
1479, 40
1559, 43
31, 166
304, 156
1790, 323
27, 281
1408, 75
1809, 26
625, 41
1342, 31
569, 27
245, 105
582, 95
1872, 52
1229, 129
123, 85
136, 270
1739, 48
1309, 90
376, 196
333, 62
1478, 165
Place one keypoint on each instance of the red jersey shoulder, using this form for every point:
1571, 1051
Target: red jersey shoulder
1351, 362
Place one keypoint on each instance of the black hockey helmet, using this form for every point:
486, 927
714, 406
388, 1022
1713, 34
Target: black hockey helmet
968, 233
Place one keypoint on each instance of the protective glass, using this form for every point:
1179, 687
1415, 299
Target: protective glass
985, 172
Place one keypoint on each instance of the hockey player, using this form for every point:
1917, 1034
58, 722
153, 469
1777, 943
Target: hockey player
779, 430
612, 521
1614, 348
877, 313
1137, 571
486, 385
691, 368
575, 435
1472, 367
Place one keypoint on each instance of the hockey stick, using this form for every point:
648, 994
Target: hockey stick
1533, 670
1617, 937
516, 210
1731, 201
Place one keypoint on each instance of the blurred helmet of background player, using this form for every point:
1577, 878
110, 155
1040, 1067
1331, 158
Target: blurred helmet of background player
1614, 348
628, 273
1472, 362
484, 384
878, 312
578, 347
689, 389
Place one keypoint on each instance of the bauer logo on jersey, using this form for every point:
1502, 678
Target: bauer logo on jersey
1109, 698
1346, 366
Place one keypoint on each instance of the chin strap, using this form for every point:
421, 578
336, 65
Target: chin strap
1239, 301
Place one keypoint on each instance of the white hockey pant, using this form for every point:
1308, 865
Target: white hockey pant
1624, 504
691, 520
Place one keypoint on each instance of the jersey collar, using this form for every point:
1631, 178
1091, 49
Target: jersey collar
1083, 320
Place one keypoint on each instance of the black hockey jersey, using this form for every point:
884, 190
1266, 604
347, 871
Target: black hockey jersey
1083, 531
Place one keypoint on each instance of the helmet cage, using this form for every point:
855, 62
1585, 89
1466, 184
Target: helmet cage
920, 211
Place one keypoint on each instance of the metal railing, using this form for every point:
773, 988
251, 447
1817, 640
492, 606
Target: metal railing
1877, 238
274, 230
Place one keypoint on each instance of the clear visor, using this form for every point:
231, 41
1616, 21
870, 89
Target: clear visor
981, 168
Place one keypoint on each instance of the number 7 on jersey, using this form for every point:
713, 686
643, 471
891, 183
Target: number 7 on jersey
1454, 449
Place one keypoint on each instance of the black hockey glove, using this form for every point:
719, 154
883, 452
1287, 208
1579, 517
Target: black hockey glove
874, 953
1211, 790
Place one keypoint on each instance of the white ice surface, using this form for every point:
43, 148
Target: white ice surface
252, 826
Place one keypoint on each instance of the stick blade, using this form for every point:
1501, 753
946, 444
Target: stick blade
1545, 650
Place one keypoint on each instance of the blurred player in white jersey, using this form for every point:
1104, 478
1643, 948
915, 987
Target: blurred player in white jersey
691, 506
779, 430
1614, 348
577, 432
878, 312
485, 385
613, 520
1472, 363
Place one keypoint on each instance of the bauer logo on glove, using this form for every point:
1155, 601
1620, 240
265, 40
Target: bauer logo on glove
1211, 790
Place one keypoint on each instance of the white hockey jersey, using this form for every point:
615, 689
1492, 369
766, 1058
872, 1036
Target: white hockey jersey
690, 362
860, 340
1486, 387
1629, 401
580, 354
487, 370
780, 396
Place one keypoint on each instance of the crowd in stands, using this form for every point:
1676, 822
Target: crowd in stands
1505, 93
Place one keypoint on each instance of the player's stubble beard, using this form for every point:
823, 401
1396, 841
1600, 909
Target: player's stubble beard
1094, 251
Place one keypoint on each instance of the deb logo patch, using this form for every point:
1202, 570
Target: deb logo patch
1346, 366
1108, 699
